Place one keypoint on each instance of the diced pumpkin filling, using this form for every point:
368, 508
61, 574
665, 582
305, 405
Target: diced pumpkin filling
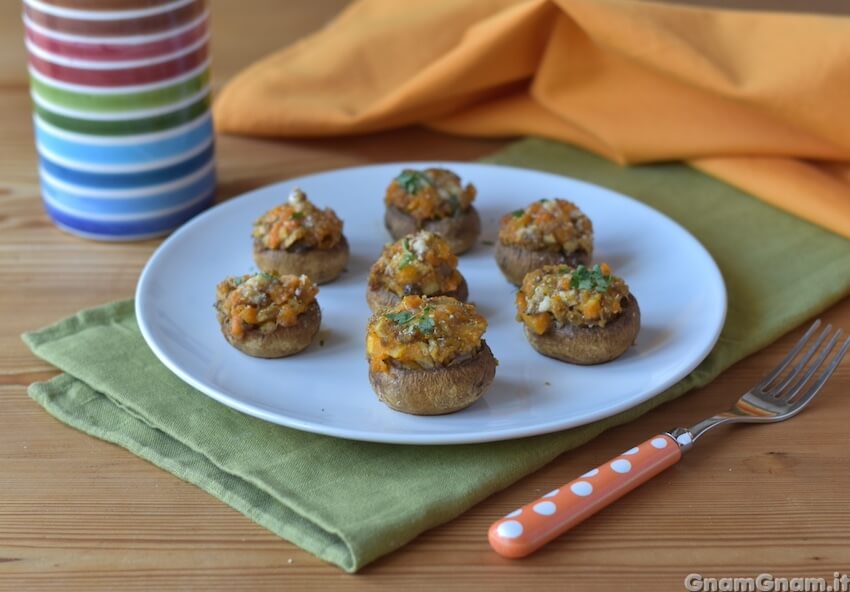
557, 295
424, 333
431, 194
263, 301
420, 263
548, 225
298, 224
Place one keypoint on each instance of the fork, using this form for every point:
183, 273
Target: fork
776, 398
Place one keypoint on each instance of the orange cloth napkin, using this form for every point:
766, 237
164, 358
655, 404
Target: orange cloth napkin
758, 99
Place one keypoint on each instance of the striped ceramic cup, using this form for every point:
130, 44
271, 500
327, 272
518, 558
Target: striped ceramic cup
121, 102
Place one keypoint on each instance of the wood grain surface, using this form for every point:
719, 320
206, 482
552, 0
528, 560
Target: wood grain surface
80, 514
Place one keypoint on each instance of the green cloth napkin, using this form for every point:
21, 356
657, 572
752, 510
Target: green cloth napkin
351, 502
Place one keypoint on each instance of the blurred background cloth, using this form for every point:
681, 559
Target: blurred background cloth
757, 99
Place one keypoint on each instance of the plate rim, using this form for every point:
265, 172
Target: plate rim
493, 435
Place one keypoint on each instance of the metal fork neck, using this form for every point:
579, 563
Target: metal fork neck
685, 437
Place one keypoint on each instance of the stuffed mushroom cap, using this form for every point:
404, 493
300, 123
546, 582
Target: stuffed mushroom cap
266, 315
427, 356
578, 314
421, 263
433, 199
547, 232
299, 238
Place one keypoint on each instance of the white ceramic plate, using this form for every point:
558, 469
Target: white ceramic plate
325, 389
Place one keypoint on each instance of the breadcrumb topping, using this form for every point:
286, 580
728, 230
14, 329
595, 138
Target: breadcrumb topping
263, 301
298, 224
420, 263
557, 295
431, 194
550, 225
424, 333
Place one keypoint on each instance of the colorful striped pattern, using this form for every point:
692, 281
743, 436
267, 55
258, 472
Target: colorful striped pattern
68, 48
119, 203
110, 24
155, 96
121, 102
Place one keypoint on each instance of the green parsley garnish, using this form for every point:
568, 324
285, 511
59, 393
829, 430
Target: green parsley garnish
590, 279
517, 213
402, 318
297, 215
424, 322
236, 280
268, 276
544, 200
406, 260
413, 181
408, 256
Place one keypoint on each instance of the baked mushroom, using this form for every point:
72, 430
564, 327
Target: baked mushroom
427, 356
434, 200
579, 315
422, 264
268, 316
299, 238
547, 232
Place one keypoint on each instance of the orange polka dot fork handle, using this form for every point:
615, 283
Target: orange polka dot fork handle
525, 530
778, 396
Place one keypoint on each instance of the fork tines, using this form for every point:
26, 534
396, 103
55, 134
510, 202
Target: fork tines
791, 385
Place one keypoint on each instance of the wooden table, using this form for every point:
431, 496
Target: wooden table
78, 513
